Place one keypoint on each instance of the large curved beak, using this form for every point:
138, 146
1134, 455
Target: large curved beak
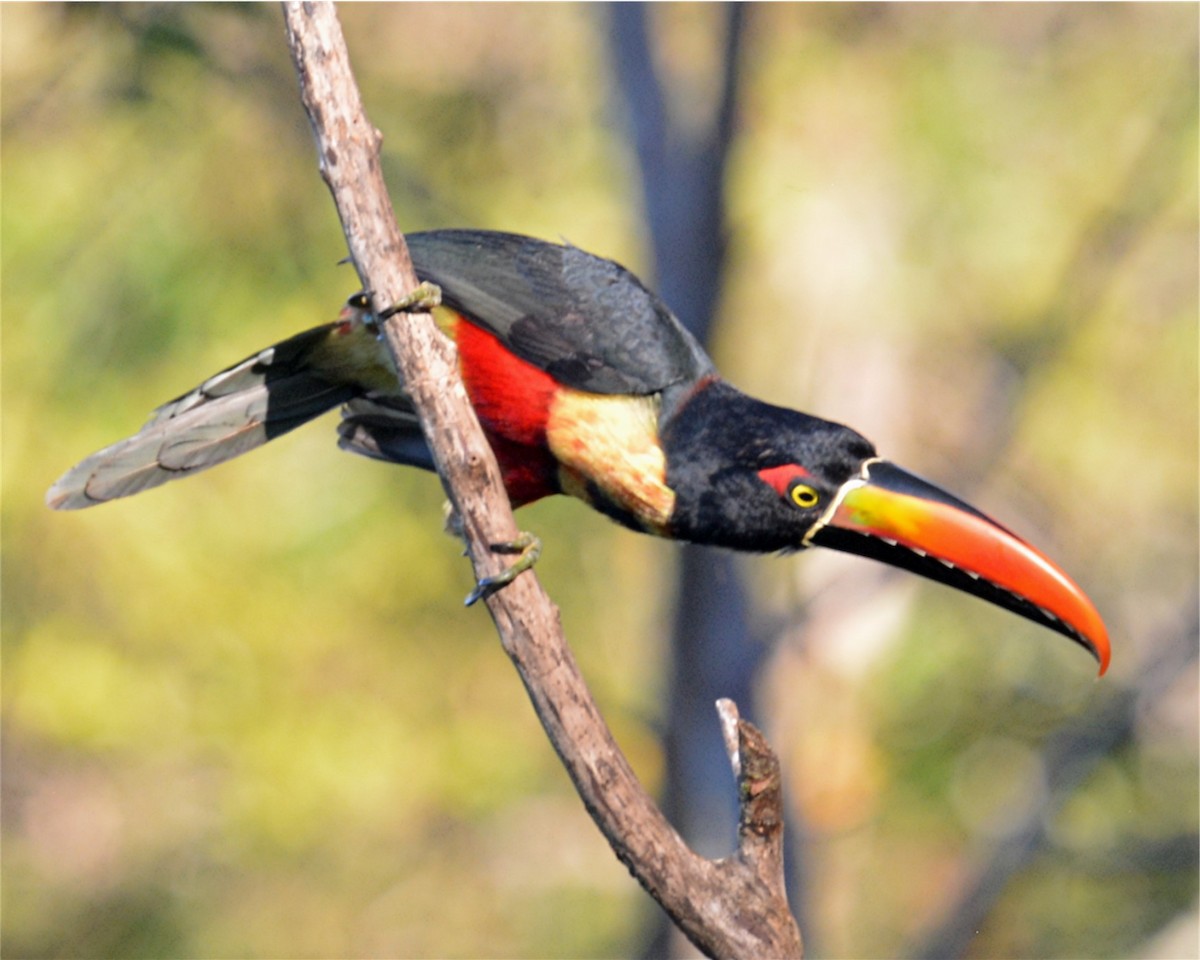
893, 516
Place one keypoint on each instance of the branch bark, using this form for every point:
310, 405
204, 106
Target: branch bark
729, 908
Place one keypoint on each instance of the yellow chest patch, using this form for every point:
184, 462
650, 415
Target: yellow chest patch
611, 442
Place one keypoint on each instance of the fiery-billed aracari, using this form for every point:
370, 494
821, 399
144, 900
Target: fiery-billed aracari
586, 384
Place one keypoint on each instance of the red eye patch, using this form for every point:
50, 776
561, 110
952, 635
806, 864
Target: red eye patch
783, 476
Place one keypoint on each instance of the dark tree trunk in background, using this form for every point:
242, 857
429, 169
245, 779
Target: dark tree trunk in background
712, 653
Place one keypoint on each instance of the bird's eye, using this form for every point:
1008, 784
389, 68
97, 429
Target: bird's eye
804, 496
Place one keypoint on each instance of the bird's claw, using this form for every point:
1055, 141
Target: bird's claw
424, 296
526, 547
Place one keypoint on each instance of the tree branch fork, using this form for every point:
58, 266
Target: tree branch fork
735, 907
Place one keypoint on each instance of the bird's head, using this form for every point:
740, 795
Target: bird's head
752, 476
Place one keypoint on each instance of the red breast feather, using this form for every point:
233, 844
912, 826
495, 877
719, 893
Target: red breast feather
512, 399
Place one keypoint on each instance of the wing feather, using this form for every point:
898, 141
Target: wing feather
586, 321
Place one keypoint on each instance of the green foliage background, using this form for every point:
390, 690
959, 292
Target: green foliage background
247, 715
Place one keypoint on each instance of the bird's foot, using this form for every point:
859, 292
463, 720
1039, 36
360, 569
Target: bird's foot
423, 297
527, 548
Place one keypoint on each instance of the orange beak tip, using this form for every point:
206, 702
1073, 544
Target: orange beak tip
1103, 656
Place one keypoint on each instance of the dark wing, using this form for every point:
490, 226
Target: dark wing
586, 321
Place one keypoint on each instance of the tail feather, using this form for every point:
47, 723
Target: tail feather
231, 413
384, 428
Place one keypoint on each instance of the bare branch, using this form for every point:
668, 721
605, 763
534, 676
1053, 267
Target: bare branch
726, 908
760, 826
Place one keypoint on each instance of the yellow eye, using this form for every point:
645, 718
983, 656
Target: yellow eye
804, 496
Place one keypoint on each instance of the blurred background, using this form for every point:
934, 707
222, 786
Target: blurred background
247, 715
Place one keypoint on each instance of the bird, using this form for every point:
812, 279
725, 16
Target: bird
586, 384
